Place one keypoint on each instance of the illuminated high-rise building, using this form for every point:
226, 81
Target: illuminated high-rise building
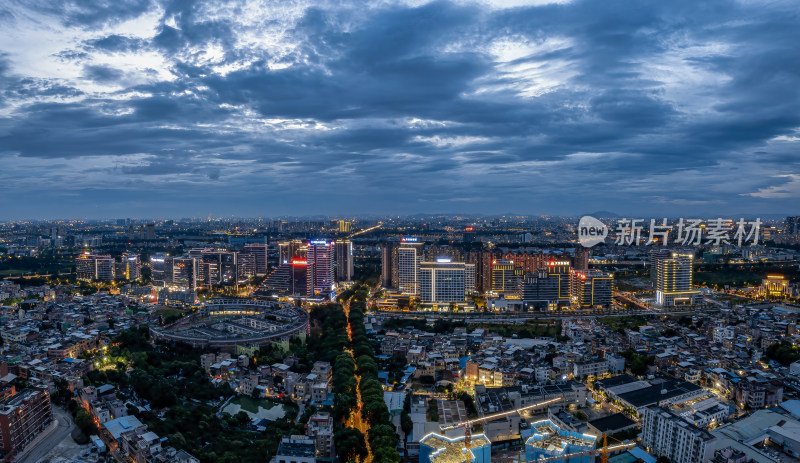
674, 280
344, 226
591, 289
245, 266
469, 235
290, 279
218, 267
259, 252
182, 272
506, 278
549, 287
445, 281
129, 267
288, 250
527, 262
319, 255
409, 256
655, 255
89, 267
344, 260
158, 268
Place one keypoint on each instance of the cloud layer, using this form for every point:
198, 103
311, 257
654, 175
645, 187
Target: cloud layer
183, 108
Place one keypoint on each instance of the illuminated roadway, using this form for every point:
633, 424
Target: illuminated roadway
356, 420
366, 230
630, 300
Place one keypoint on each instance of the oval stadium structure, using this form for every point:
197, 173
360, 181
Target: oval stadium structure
227, 323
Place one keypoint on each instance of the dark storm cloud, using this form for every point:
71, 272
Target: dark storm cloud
117, 43
397, 101
102, 74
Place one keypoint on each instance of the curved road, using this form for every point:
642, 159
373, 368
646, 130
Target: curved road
39, 448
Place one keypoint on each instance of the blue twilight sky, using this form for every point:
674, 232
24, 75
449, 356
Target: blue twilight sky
130, 108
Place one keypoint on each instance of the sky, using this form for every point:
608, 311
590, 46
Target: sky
179, 108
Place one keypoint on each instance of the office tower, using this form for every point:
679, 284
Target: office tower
148, 231
284, 253
229, 268
591, 289
290, 279
219, 267
259, 252
793, 225
85, 267
388, 265
665, 434
129, 267
409, 256
445, 281
23, 416
541, 292
182, 272
435, 251
560, 270
653, 257
89, 267
157, 268
483, 271
674, 280
104, 268
288, 250
549, 287
320, 267
245, 266
344, 260
469, 235
581, 258
344, 227
207, 266
506, 278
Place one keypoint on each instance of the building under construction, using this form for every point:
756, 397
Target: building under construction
549, 443
436, 448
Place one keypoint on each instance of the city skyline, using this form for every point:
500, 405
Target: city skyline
171, 108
